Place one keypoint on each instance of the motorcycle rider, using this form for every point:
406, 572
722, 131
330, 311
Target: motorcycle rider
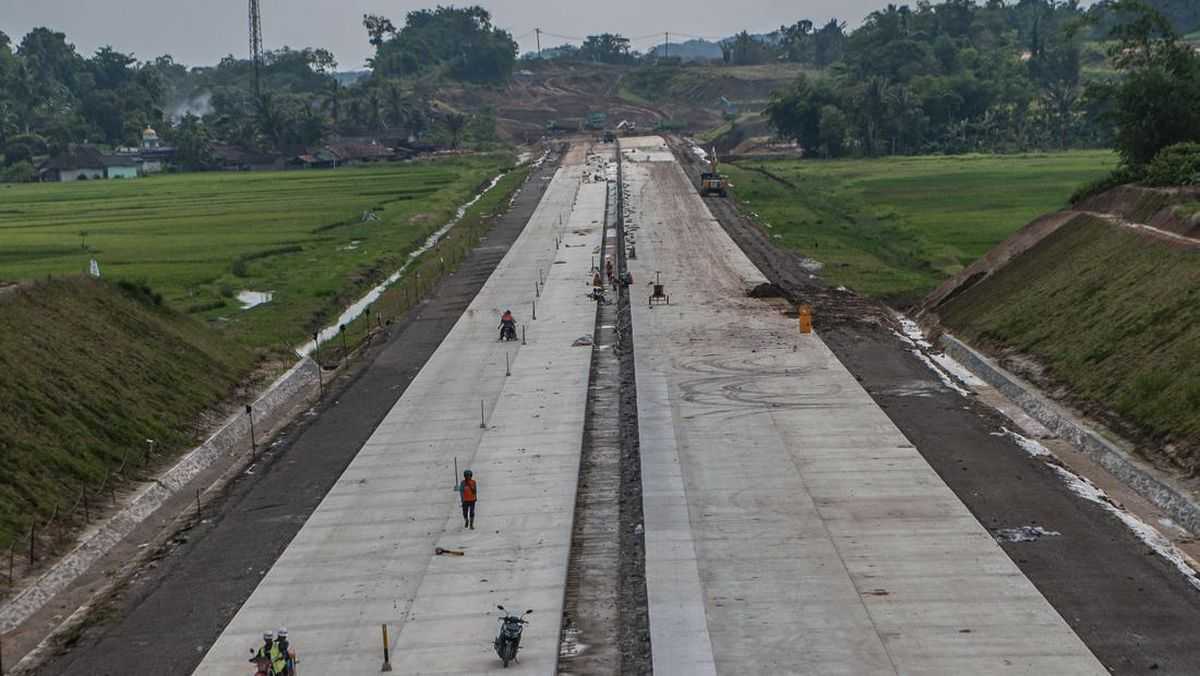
284, 663
508, 325
268, 651
469, 492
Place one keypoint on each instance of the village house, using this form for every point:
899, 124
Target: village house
87, 163
343, 154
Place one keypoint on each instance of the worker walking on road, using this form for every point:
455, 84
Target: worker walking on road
469, 491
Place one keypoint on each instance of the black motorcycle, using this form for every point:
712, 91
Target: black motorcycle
508, 640
508, 332
599, 296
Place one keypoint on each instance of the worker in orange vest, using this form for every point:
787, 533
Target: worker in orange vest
469, 492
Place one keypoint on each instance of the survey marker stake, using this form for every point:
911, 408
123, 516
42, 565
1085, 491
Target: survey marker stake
387, 659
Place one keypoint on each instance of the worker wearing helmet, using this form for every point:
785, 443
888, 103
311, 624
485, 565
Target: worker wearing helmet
468, 490
266, 653
284, 661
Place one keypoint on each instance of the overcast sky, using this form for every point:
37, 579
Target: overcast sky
198, 32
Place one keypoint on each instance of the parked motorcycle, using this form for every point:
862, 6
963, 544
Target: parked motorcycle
599, 296
508, 640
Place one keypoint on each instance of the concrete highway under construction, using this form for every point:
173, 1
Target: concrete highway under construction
682, 482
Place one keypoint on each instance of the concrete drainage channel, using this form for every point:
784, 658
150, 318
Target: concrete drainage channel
605, 624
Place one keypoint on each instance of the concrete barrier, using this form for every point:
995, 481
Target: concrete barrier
1137, 474
270, 408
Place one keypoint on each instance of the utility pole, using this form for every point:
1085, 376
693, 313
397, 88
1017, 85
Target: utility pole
667, 45
256, 48
539, 41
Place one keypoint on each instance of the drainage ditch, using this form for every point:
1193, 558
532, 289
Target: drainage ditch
605, 624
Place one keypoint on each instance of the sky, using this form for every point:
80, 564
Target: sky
200, 32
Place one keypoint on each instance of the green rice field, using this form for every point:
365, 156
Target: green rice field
314, 239
896, 227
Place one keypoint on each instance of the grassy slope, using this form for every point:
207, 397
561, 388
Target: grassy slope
896, 227
108, 369
1113, 315
182, 234
90, 372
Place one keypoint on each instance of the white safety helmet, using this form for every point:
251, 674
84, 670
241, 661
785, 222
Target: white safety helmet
268, 635
282, 633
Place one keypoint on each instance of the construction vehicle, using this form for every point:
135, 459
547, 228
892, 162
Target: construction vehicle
712, 182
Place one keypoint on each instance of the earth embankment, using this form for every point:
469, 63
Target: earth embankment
91, 371
1101, 312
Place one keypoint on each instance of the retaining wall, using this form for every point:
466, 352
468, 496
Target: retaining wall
1178, 502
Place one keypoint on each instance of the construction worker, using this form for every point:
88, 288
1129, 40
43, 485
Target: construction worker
284, 662
469, 492
265, 657
508, 326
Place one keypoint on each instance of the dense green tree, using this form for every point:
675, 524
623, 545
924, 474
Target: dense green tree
745, 50
796, 113
1157, 101
606, 48
192, 142
456, 124
462, 42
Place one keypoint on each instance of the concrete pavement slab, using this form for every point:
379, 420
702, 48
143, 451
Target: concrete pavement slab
336, 584
789, 524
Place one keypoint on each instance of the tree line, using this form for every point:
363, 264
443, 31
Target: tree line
52, 96
961, 77
952, 77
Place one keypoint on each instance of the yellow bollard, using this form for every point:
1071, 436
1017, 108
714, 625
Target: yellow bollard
805, 319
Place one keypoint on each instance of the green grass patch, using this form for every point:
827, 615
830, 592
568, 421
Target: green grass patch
1113, 315
91, 370
896, 227
197, 237
445, 258
94, 368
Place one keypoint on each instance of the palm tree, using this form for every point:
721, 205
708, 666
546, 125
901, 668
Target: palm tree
375, 109
417, 121
8, 122
903, 109
331, 100
456, 123
357, 113
397, 105
271, 118
873, 108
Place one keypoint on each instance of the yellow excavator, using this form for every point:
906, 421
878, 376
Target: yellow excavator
711, 182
